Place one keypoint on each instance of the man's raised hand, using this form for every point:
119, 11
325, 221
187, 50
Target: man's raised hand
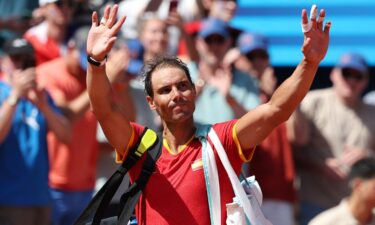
316, 36
102, 35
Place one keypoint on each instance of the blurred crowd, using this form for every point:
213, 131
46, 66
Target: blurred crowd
54, 156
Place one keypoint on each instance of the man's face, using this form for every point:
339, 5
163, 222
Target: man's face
349, 83
59, 12
213, 48
174, 95
154, 36
255, 62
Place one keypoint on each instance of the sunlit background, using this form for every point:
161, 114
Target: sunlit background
352, 27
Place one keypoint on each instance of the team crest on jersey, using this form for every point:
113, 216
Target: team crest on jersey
197, 164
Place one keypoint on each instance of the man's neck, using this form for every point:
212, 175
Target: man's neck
208, 69
56, 32
178, 135
360, 211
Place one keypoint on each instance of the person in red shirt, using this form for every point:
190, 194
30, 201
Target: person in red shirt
48, 37
175, 193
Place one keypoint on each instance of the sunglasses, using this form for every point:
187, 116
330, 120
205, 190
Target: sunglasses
62, 3
351, 74
257, 54
215, 39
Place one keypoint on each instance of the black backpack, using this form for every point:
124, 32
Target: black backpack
150, 143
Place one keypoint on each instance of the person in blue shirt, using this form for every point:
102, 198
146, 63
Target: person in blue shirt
27, 114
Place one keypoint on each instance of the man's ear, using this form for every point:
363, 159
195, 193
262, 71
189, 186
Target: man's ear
151, 102
334, 75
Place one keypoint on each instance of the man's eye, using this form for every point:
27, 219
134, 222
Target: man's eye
165, 90
183, 86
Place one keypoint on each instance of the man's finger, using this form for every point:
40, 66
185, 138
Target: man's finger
327, 27
104, 19
322, 14
112, 16
313, 13
118, 24
94, 19
305, 25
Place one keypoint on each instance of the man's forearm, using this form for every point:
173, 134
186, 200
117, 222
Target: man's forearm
99, 90
291, 92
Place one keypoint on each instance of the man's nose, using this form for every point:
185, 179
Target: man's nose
176, 93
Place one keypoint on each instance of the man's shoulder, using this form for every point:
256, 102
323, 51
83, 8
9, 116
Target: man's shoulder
319, 93
52, 66
318, 96
339, 214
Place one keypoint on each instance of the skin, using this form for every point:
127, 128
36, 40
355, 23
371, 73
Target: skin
348, 90
177, 119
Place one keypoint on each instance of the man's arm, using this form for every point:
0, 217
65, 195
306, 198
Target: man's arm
21, 82
254, 126
100, 41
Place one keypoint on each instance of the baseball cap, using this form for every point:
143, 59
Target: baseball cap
18, 46
248, 42
45, 2
212, 26
353, 61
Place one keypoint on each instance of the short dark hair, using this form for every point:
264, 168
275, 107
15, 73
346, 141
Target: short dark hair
158, 63
363, 168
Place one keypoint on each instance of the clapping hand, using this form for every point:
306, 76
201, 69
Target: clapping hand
316, 36
102, 36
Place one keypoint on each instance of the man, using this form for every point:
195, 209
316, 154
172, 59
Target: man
175, 192
27, 113
221, 87
358, 207
333, 128
272, 163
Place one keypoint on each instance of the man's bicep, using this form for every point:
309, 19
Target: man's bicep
255, 125
117, 130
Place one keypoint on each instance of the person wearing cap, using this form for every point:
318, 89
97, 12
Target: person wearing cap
250, 55
358, 207
331, 130
221, 87
27, 113
48, 37
176, 192
73, 165
272, 162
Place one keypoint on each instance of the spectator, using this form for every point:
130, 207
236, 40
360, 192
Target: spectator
358, 207
153, 36
48, 37
27, 113
221, 88
332, 129
220, 9
64, 78
170, 91
272, 162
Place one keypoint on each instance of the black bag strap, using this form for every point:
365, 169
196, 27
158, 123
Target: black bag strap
149, 141
130, 198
